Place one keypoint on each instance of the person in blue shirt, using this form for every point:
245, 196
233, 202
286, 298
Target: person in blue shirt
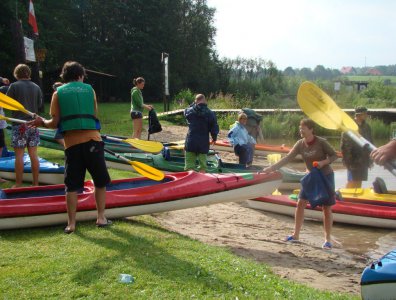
201, 122
242, 142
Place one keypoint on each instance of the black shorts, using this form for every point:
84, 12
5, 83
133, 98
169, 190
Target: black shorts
82, 157
136, 115
2, 140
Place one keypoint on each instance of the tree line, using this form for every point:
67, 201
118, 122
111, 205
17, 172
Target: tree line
125, 38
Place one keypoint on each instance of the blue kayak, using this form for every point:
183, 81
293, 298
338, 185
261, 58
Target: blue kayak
50, 173
379, 278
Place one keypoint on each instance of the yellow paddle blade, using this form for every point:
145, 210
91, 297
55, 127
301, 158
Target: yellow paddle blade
147, 146
318, 106
11, 104
147, 171
140, 167
348, 122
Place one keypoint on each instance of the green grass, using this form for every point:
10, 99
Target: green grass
44, 263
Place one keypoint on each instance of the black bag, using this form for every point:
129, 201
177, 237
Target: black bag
154, 124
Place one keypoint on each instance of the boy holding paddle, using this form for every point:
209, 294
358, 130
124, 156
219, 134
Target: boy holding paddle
73, 110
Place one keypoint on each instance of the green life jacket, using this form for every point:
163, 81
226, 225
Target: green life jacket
77, 107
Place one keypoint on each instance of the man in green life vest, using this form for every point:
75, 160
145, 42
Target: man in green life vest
73, 110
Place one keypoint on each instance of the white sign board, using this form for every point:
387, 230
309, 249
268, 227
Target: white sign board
166, 76
29, 49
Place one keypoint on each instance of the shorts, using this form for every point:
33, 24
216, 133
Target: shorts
2, 139
360, 174
136, 115
331, 200
23, 136
82, 157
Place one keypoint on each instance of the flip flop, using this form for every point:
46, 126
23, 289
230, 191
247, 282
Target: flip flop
108, 223
67, 230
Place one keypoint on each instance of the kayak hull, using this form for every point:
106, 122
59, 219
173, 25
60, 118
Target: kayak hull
343, 212
45, 205
49, 173
291, 178
378, 280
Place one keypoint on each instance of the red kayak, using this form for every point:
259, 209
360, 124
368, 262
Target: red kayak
45, 205
343, 212
260, 149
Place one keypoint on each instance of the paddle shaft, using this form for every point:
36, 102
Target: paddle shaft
141, 168
12, 120
365, 144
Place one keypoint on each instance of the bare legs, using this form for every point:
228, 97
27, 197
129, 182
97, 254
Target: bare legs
137, 128
71, 202
18, 166
100, 197
299, 220
35, 164
353, 184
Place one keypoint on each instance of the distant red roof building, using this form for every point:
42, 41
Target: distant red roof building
348, 70
373, 71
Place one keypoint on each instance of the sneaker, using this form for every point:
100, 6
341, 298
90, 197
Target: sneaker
291, 239
327, 246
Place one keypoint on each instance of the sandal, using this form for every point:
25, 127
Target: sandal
108, 223
67, 230
291, 239
327, 246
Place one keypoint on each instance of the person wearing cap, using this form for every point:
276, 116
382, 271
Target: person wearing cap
355, 158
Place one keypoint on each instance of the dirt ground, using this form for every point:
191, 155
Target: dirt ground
259, 236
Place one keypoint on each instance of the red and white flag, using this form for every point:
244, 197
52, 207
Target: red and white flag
32, 18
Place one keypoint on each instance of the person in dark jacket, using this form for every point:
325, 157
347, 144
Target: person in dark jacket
201, 122
355, 158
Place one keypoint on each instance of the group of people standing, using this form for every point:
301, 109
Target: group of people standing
74, 110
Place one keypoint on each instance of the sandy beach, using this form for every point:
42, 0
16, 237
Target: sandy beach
260, 236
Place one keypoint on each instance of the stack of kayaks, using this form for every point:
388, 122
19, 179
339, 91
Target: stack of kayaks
349, 212
50, 173
45, 205
260, 149
291, 178
378, 280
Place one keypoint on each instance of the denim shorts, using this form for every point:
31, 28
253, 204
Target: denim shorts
136, 115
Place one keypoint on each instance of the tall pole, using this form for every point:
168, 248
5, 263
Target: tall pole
164, 60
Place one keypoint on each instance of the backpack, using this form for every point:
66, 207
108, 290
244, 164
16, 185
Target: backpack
154, 124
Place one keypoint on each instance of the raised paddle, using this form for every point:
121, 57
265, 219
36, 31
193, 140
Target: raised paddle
147, 146
140, 167
11, 104
319, 106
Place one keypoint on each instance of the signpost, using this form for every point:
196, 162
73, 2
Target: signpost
164, 60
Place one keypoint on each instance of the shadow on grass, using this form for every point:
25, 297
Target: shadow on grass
148, 256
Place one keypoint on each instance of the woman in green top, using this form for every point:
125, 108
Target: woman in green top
137, 106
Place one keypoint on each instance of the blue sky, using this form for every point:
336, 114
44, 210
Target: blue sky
303, 33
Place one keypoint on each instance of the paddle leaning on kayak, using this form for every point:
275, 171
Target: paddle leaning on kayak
312, 148
74, 110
